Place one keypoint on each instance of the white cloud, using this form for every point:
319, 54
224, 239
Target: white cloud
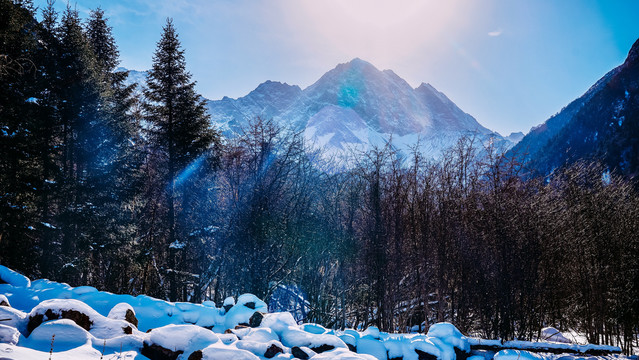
495, 33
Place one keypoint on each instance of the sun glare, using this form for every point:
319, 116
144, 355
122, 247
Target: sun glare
379, 31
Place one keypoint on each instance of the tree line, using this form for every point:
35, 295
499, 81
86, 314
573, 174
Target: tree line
135, 192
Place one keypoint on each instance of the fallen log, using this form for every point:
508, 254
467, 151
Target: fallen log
544, 347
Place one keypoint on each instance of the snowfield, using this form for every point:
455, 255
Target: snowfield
48, 320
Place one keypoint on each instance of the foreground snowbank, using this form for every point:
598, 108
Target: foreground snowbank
44, 319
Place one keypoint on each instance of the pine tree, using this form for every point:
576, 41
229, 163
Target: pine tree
48, 131
81, 130
18, 171
113, 173
180, 137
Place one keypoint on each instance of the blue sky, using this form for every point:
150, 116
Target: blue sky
509, 63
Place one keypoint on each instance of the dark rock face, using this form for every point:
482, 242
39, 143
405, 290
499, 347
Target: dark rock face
460, 354
299, 353
130, 317
4, 303
425, 356
250, 305
352, 347
272, 351
127, 330
157, 352
322, 348
256, 319
79, 318
196, 355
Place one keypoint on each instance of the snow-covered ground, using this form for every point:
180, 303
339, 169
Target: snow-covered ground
48, 320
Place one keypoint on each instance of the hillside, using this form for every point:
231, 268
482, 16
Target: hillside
601, 125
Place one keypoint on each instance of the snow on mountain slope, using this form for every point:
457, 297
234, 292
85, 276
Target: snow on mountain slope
268, 100
353, 107
135, 77
515, 137
385, 101
338, 130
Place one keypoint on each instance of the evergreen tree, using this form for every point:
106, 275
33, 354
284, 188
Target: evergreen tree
180, 135
81, 126
18, 172
48, 131
113, 176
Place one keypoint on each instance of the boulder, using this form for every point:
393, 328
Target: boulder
256, 319
157, 352
123, 311
80, 318
301, 352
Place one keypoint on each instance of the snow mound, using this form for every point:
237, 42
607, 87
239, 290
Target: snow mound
342, 354
552, 334
4, 301
14, 318
449, 334
216, 352
58, 335
262, 349
84, 323
9, 335
123, 311
14, 278
517, 355
295, 336
371, 346
184, 339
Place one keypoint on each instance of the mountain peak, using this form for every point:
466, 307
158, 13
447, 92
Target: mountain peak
360, 62
357, 65
269, 85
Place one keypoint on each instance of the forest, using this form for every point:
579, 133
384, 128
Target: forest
133, 190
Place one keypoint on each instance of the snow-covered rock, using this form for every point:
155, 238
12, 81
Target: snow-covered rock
294, 336
177, 339
217, 352
8, 276
449, 334
517, 355
342, 354
59, 335
14, 318
84, 323
553, 334
123, 311
266, 349
9, 335
4, 301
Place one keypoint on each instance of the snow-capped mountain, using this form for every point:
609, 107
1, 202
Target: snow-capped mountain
268, 100
355, 106
135, 76
515, 137
600, 125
